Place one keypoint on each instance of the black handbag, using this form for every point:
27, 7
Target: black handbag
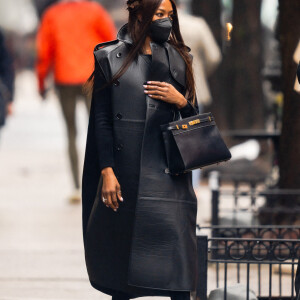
193, 143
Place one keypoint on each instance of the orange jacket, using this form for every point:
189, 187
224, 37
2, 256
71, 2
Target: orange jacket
66, 38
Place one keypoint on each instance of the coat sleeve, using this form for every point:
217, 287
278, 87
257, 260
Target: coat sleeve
103, 121
99, 145
189, 110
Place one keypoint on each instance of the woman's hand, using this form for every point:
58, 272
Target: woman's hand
111, 190
166, 92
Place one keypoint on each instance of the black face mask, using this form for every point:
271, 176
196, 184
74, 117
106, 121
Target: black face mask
160, 30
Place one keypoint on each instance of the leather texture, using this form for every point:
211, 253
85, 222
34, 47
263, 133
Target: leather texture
193, 143
163, 245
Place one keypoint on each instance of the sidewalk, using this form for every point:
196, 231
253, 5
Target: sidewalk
40, 233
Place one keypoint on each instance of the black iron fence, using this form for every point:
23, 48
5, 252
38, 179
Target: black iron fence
263, 259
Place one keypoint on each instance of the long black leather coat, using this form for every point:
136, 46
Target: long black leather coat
163, 244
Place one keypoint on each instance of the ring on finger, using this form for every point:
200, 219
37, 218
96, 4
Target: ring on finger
104, 199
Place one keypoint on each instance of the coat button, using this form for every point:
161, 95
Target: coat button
119, 55
119, 116
117, 83
119, 147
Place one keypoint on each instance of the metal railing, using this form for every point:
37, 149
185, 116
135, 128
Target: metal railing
262, 263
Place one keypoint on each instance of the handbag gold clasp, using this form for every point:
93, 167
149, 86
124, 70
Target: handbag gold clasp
184, 126
194, 122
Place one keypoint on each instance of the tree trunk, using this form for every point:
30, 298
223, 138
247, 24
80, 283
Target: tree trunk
210, 10
236, 87
290, 137
245, 106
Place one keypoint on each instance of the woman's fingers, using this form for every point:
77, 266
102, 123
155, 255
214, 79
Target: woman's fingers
155, 88
109, 202
158, 93
158, 97
111, 199
158, 83
115, 204
104, 200
164, 91
111, 190
159, 90
119, 195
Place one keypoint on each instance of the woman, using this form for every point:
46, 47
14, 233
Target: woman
139, 221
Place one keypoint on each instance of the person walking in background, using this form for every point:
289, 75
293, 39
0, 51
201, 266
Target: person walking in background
68, 32
206, 58
6, 82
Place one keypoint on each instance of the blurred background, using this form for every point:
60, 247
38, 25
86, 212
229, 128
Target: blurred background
247, 62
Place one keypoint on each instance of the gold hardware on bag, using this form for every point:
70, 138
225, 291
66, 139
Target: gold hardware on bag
184, 126
177, 126
194, 122
209, 119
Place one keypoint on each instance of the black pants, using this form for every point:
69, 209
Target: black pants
174, 295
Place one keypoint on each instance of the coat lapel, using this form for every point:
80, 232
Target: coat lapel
177, 65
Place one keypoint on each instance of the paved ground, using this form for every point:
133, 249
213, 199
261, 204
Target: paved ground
40, 233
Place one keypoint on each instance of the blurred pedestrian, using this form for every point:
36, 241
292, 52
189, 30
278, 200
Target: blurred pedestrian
139, 221
6, 81
68, 32
206, 58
